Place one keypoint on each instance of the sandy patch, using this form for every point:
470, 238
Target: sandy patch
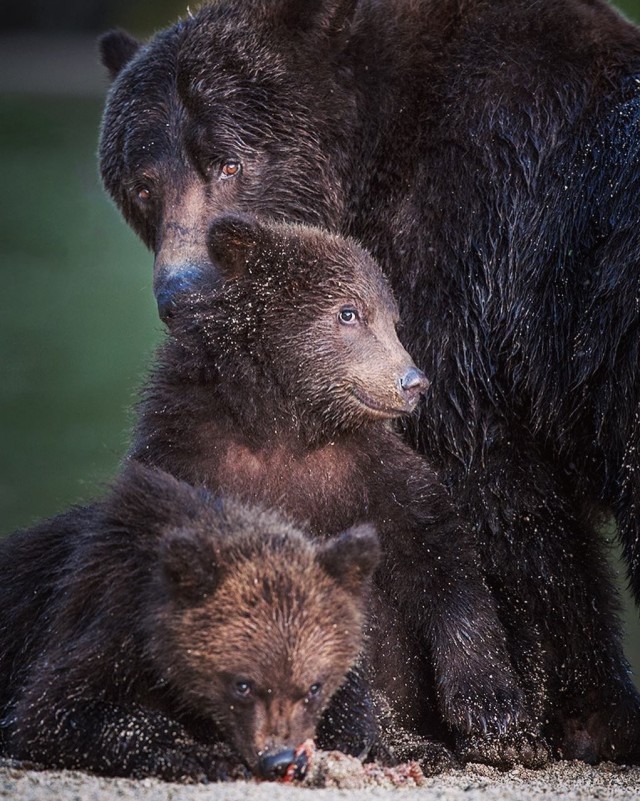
338, 777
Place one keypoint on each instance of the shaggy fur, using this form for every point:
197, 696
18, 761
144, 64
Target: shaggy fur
167, 633
263, 393
486, 153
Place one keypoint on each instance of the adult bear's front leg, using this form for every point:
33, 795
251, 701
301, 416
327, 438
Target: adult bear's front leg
549, 571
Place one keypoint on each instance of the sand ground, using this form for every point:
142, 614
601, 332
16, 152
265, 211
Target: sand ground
568, 780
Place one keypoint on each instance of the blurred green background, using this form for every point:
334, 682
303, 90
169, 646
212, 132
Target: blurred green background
77, 317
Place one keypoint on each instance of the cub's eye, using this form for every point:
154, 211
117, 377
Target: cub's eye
348, 316
242, 689
314, 690
231, 169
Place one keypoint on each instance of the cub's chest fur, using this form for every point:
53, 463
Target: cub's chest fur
323, 486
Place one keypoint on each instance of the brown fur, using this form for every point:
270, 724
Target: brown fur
159, 606
279, 620
260, 393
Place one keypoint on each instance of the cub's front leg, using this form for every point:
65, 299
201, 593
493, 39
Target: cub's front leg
112, 740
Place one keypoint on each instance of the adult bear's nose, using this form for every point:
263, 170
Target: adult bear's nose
413, 382
173, 284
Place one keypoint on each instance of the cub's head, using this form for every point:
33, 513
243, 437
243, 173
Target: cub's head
304, 313
256, 626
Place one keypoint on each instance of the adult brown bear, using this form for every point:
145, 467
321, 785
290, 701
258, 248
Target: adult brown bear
486, 153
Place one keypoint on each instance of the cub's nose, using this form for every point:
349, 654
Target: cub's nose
276, 765
413, 382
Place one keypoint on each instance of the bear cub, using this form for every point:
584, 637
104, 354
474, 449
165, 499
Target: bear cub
184, 636
278, 384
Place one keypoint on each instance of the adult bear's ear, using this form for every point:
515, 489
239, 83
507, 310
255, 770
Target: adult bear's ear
330, 17
191, 568
232, 242
116, 49
351, 557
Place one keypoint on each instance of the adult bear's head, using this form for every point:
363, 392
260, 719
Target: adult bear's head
245, 106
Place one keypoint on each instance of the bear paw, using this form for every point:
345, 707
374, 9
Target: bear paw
197, 764
477, 710
400, 746
612, 733
432, 757
504, 751
493, 726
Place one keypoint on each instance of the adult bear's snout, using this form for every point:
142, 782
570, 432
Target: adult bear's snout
169, 288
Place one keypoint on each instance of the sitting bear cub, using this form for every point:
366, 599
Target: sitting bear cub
277, 385
182, 636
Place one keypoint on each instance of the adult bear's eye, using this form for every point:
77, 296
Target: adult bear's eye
314, 690
143, 193
348, 316
231, 169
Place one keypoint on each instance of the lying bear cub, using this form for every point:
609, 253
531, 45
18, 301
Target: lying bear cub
168, 633
278, 384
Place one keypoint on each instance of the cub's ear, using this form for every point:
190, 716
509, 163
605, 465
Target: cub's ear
232, 242
116, 49
190, 567
147, 501
351, 557
329, 17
